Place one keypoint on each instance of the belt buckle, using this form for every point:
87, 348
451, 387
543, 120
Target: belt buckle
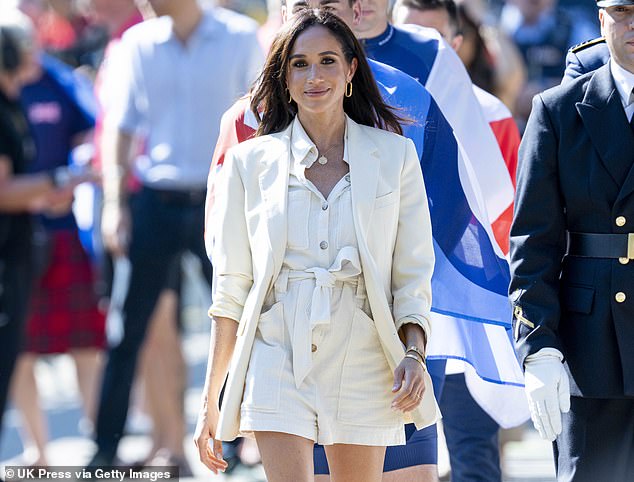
630, 245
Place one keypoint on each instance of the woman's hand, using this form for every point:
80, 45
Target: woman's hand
210, 454
409, 385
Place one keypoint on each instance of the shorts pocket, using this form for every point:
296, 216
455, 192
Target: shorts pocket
297, 225
264, 377
271, 325
366, 379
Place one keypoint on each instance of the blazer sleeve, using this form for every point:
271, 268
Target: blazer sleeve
538, 238
413, 258
230, 248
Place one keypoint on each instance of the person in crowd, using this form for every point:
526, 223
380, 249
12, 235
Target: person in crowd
471, 433
162, 366
269, 29
65, 31
543, 32
341, 376
586, 57
424, 55
168, 87
444, 16
493, 61
418, 458
400, 90
571, 262
63, 314
21, 192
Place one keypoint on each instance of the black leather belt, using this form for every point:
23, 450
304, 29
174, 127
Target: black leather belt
598, 245
186, 198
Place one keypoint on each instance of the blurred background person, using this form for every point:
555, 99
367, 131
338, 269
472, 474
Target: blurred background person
173, 77
162, 373
63, 314
21, 192
543, 31
66, 31
493, 61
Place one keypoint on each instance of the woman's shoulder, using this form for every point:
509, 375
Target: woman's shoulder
254, 148
383, 138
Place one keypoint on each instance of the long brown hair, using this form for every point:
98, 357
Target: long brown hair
270, 96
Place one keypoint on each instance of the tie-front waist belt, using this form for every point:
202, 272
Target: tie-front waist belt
345, 269
600, 245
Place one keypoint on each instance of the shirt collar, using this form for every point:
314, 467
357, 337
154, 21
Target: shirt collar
303, 149
624, 81
206, 27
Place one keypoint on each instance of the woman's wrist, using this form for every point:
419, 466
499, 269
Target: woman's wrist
412, 334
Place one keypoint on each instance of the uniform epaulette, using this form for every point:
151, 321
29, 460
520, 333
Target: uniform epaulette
584, 45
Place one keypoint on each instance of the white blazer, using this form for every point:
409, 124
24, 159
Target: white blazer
247, 229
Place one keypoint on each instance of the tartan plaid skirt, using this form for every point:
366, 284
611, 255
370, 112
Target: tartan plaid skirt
63, 310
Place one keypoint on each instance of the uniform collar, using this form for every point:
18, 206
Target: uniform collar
624, 81
303, 150
382, 39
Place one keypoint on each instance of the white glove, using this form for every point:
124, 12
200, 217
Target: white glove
548, 391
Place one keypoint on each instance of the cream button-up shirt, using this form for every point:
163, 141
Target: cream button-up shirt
318, 227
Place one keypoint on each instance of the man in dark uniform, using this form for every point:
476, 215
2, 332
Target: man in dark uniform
572, 252
585, 57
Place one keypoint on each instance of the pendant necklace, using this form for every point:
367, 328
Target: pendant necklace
322, 159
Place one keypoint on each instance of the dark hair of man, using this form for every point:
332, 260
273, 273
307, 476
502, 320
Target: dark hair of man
448, 5
270, 95
283, 2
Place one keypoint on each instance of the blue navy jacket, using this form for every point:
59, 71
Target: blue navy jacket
575, 174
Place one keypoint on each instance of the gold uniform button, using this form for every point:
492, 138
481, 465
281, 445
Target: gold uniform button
620, 297
620, 221
313, 348
624, 260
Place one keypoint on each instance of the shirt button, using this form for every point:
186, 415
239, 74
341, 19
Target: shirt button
323, 245
624, 260
620, 221
620, 297
347, 177
324, 206
313, 348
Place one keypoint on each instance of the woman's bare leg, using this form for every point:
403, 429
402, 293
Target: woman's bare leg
420, 473
26, 399
88, 366
286, 458
355, 463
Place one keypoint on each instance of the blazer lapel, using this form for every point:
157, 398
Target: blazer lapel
364, 176
273, 181
604, 119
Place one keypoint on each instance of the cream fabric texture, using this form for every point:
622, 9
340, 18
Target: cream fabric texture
248, 225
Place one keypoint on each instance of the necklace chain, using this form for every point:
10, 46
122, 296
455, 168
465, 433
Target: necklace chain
323, 159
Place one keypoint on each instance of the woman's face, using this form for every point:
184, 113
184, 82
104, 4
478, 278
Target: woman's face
317, 71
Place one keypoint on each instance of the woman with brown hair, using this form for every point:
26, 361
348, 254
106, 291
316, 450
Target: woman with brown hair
322, 253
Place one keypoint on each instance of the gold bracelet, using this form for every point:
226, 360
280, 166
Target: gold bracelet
415, 357
417, 350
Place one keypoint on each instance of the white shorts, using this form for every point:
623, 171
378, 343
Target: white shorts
346, 396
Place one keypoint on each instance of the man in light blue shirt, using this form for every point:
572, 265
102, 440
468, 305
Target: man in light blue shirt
169, 82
